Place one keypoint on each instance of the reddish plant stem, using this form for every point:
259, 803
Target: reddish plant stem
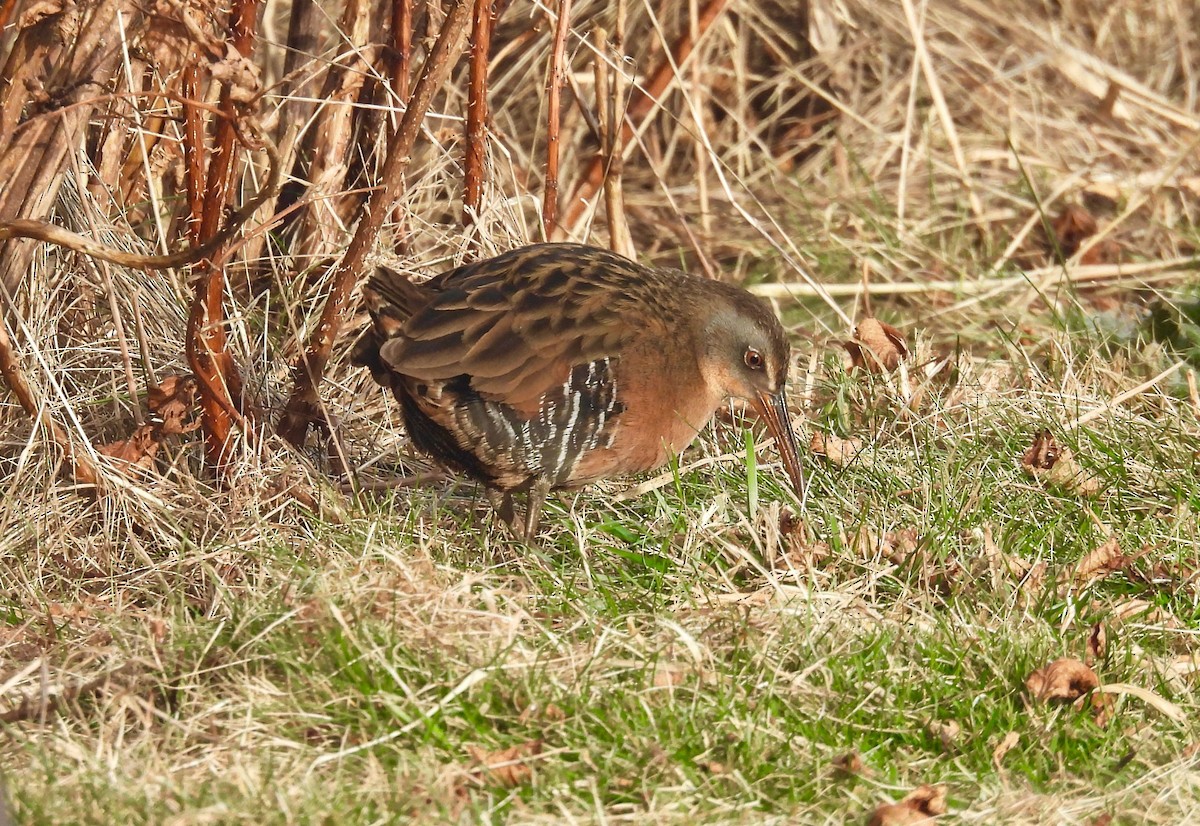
402, 22
556, 79
477, 112
642, 101
303, 406
193, 148
207, 354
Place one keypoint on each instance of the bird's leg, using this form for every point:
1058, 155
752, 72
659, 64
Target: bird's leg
502, 506
533, 507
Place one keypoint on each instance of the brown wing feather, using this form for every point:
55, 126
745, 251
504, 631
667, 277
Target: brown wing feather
518, 323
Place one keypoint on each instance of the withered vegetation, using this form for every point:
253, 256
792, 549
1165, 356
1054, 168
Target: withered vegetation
232, 593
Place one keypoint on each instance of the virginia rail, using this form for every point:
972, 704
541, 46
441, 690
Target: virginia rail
556, 365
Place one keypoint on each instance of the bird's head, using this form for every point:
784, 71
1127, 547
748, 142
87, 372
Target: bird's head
745, 354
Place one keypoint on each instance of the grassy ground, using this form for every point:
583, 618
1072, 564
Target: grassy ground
696, 649
668, 659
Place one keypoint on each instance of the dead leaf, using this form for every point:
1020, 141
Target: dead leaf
837, 451
138, 450
1043, 454
922, 805
946, 732
667, 675
900, 545
1102, 820
1064, 679
1004, 747
876, 347
1101, 705
1101, 560
798, 551
1055, 465
507, 767
848, 764
38, 11
1016, 567
239, 74
1097, 644
1143, 611
174, 402
1071, 228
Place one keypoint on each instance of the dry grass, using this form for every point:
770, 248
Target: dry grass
275, 651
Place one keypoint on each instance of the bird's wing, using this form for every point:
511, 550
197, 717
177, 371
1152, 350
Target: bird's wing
519, 323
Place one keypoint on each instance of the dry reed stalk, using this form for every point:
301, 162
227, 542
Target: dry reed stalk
303, 406
33, 150
329, 145
474, 164
608, 96
698, 146
645, 98
556, 77
82, 467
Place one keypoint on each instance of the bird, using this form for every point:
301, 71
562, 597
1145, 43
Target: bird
557, 365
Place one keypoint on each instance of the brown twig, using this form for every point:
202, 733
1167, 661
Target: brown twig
482, 20
195, 158
302, 407
207, 355
556, 78
641, 104
401, 68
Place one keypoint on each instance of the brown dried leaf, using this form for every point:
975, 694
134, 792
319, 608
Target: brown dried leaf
922, 805
946, 732
848, 764
174, 401
667, 675
239, 73
1064, 679
1102, 706
38, 11
1016, 567
1101, 560
837, 451
1097, 644
876, 346
1004, 747
1071, 228
1143, 611
138, 450
899, 545
507, 767
1055, 465
798, 551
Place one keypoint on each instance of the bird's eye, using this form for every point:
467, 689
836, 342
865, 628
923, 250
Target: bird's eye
754, 359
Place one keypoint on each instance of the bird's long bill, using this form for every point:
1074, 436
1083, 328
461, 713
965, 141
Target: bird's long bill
774, 411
